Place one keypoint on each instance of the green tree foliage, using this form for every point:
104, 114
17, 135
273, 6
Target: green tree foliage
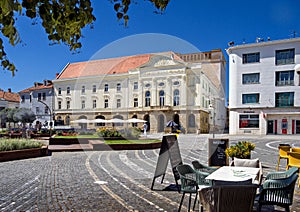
63, 20
7, 114
15, 115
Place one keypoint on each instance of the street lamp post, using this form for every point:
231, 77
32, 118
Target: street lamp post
213, 107
214, 118
50, 131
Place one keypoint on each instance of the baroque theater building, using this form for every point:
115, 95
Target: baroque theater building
158, 87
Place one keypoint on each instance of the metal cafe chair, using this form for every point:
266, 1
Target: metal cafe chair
294, 161
281, 174
283, 150
188, 183
202, 172
278, 192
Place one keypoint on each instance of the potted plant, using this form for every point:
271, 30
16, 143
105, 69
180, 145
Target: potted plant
241, 150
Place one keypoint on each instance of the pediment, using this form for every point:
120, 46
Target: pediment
162, 61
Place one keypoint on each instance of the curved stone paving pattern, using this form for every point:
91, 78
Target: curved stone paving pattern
110, 180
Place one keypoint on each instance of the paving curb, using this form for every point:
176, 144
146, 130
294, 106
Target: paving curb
23, 154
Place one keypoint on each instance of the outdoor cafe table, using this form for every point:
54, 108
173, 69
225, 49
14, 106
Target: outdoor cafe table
234, 173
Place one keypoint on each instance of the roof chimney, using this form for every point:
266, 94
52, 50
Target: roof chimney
9, 90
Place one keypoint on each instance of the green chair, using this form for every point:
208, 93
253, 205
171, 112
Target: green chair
201, 167
281, 174
278, 192
202, 172
189, 183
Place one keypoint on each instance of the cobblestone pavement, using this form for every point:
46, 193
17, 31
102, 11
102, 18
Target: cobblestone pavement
113, 180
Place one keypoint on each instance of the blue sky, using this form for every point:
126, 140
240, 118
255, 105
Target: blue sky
190, 25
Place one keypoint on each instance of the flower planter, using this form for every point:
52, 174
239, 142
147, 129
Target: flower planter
101, 146
23, 154
67, 141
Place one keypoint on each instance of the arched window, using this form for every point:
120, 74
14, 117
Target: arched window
100, 124
134, 124
117, 123
161, 98
176, 98
147, 99
192, 120
67, 120
82, 125
68, 90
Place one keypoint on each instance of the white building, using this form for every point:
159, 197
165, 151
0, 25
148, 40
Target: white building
153, 87
264, 87
39, 99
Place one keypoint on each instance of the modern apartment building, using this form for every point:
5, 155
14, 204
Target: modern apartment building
264, 87
186, 88
39, 98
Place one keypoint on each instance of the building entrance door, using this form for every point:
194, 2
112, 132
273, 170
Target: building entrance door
297, 126
284, 126
270, 127
161, 123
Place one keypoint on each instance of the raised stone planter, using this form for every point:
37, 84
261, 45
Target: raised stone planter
23, 154
68, 141
101, 146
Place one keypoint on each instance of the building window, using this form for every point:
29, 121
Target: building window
284, 78
83, 89
59, 91
118, 87
284, 99
94, 103
39, 96
118, 103
251, 58
22, 99
176, 98
135, 85
68, 104
37, 110
82, 104
106, 87
135, 102
44, 96
249, 121
285, 56
105, 103
251, 78
59, 105
176, 83
161, 98
46, 110
94, 88
161, 84
68, 90
147, 99
250, 98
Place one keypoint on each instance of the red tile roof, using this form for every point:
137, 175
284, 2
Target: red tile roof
9, 96
107, 66
38, 86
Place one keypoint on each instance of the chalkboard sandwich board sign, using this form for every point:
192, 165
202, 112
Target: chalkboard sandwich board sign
169, 151
216, 152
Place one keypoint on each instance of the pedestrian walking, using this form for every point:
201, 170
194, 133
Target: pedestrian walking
145, 127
